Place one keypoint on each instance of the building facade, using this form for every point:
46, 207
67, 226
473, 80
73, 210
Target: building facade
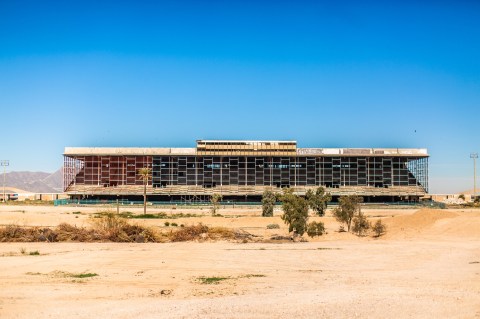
244, 169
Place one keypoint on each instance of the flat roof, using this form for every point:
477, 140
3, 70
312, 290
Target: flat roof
330, 152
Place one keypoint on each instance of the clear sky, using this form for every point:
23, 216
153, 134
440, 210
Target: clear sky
165, 73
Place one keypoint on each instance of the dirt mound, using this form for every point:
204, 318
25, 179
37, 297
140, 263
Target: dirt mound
416, 223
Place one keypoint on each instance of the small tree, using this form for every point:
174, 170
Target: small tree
379, 228
145, 174
268, 203
360, 224
295, 212
347, 207
318, 200
315, 229
462, 197
215, 200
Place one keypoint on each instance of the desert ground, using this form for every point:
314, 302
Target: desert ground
426, 266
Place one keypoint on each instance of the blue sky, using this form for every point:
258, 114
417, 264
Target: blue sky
165, 73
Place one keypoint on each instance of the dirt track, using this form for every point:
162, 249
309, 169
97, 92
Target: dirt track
427, 266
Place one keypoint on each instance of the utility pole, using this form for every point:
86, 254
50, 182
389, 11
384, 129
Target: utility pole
474, 156
4, 163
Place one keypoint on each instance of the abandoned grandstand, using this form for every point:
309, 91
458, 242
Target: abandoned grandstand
243, 170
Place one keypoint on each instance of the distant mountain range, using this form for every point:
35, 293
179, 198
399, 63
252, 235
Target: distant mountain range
34, 182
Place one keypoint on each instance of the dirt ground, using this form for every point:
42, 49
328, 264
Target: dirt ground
426, 266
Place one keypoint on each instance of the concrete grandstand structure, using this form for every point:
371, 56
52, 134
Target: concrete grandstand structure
243, 170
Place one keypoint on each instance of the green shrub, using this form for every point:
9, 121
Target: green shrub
379, 228
315, 229
360, 224
167, 224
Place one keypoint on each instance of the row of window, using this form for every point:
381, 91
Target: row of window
246, 170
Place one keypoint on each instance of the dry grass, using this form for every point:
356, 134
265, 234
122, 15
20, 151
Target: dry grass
201, 232
189, 233
112, 228
106, 228
15, 233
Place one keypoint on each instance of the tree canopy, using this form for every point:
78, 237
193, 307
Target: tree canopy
268, 203
347, 207
295, 211
318, 200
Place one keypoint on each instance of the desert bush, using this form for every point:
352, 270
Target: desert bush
268, 203
273, 226
167, 224
379, 228
315, 229
220, 233
67, 232
360, 224
174, 224
139, 233
188, 233
461, 196
110, 226
15, 233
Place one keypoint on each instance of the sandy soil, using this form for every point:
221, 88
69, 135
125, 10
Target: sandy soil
426, 266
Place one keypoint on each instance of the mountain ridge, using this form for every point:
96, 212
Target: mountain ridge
35, 182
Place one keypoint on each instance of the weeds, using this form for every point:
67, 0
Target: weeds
273, 226
84, 275
216, 280
252, 276
221, 233
188, 233
64, 274
212, 280
161, 215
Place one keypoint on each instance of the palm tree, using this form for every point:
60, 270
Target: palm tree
145, 174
